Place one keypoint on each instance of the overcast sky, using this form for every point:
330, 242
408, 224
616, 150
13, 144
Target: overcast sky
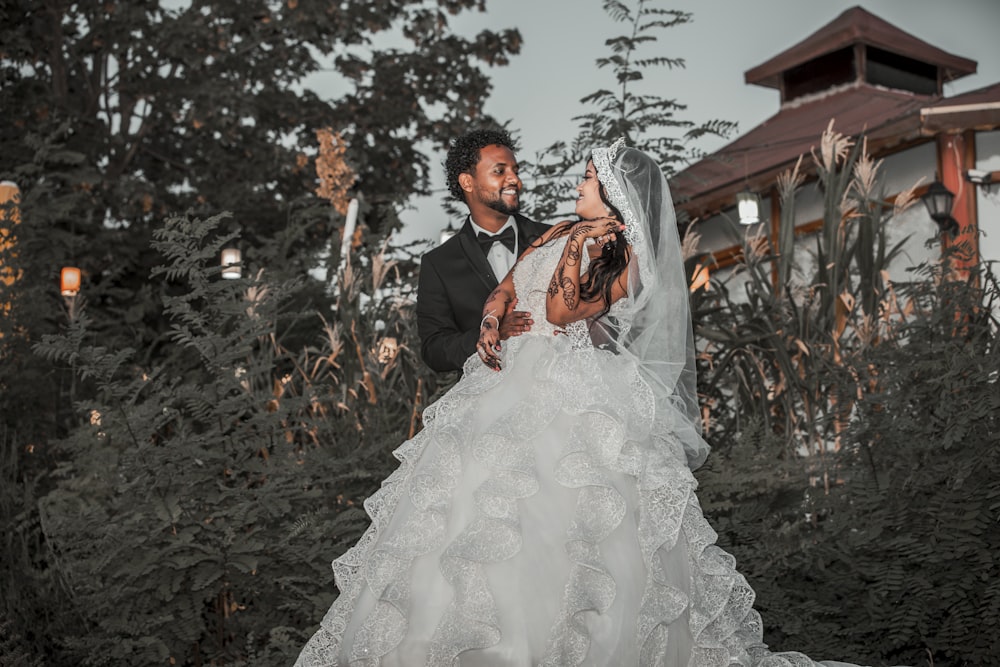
539, 91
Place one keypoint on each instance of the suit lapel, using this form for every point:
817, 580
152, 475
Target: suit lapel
470, 246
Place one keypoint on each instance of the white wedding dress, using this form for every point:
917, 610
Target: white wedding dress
540, 518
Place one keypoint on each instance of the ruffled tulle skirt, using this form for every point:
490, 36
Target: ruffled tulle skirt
541, 517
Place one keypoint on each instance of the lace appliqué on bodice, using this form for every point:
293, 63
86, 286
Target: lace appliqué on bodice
532, 276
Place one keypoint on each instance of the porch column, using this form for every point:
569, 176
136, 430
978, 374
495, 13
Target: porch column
956, 155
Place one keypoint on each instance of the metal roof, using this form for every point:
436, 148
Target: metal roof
858, 26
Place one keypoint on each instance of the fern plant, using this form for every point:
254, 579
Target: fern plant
925, 466
33, 601
199, 505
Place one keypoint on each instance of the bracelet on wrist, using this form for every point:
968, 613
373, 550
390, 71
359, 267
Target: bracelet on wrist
488, 316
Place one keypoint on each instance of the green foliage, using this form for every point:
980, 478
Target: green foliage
120, 114
924, 471
853, 424
789, 352
765, 510
648, 120
13, 655
897, 562
197, 508
31, 592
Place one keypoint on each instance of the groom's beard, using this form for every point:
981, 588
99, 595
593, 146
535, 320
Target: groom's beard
497, 203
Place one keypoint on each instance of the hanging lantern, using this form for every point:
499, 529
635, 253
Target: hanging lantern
230, 261
748, 204
69, 281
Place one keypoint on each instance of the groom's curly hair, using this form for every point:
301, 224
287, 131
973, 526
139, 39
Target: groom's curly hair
463, 156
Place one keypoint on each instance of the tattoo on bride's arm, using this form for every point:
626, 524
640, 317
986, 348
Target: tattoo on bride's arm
568, 289
573, 246
569, 293
573, 253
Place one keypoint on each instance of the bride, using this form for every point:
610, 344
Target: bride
546, 514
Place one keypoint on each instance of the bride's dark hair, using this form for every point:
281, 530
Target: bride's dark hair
605, 269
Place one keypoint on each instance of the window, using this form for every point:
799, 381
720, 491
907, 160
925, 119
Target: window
892, 70
821, 73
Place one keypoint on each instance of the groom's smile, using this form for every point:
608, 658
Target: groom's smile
511, 194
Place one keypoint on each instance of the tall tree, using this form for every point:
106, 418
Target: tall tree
118, 114
630, 107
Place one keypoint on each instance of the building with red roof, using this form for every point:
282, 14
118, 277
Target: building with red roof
869, 78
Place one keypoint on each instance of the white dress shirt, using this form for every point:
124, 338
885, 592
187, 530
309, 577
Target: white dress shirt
500, 259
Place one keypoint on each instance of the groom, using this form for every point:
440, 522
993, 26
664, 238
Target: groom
458, 276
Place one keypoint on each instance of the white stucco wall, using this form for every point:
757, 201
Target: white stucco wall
914, 166
808, 203
988, 199
715, 232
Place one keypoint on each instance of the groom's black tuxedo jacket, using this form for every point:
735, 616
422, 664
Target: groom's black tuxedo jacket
455, 281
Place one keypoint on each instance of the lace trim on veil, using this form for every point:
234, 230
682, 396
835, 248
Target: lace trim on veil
603, 159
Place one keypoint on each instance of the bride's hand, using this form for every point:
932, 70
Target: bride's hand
602, 230
488, 346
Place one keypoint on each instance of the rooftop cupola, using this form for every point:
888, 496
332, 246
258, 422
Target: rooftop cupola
855, 48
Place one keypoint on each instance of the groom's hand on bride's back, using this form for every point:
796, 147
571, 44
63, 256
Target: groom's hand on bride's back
515, 322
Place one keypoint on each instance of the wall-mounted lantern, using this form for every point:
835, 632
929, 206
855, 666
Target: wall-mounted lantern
939, 200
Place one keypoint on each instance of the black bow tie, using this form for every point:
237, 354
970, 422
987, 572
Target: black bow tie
506, 237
